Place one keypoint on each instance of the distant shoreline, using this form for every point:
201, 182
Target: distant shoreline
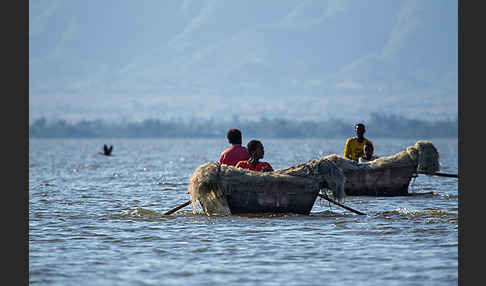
378, 126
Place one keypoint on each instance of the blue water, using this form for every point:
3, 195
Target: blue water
97, 220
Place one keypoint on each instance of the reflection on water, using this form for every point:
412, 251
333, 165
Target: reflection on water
100, 219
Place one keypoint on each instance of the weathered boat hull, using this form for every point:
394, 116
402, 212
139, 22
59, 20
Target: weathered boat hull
222, 189
273, 198
385, 182
387, 176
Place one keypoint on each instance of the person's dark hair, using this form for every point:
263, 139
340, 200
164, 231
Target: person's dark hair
252, 146
234, 136
360, 125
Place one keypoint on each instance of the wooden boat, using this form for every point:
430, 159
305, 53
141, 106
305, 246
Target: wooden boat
388, 176
222, 189
368, 180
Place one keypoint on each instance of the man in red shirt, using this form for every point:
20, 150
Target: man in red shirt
255, 148
236, 152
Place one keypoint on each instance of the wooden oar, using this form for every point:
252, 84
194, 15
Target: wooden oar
341, 205
440, 174
178, 208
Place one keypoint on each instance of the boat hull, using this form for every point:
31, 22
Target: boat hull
222, 189
387, 176
384, 182
274, 198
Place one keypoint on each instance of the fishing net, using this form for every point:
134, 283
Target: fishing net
426, 155
205, 186
324, 172
422, 156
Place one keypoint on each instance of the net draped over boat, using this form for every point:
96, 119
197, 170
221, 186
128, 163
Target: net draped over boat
426, 156
327, 174
422, 157
212, 181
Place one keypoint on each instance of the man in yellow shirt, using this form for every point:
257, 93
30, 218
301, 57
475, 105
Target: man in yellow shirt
354, 146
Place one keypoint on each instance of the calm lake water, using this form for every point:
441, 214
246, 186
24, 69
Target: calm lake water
97, 220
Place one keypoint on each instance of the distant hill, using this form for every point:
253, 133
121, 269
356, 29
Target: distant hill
290, 59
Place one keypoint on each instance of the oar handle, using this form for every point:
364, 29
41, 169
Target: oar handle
177, 208
341, 205
440, 174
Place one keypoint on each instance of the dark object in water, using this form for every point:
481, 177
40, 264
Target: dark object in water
339, 204
440, 174
107, 150
177, 208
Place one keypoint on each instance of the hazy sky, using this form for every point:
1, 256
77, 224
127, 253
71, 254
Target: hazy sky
131, 60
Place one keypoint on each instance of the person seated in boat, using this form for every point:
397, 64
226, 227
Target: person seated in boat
367, 154
354, 146
255, 148
236, 152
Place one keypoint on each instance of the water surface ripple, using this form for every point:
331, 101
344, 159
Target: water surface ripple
99, 219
